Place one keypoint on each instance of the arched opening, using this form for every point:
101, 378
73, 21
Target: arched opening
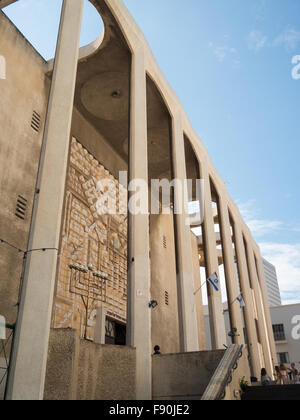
196, 208
40, 24
164, 319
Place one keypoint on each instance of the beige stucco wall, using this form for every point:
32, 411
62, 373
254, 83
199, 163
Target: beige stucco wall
24, 90
165, 329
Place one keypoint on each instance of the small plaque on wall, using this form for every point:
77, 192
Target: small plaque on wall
2, 328
140, 293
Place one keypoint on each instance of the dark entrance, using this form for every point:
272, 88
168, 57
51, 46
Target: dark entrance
115, 333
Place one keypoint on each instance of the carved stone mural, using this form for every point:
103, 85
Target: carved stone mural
93, 261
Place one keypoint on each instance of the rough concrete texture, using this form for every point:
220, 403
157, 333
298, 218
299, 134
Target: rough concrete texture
81, 370
62, 363
183, 376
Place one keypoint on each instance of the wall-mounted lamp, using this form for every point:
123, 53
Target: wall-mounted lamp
153, 304
233, 333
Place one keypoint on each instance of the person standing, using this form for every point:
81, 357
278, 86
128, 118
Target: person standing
277, 375
284, 375
265, 378
292, 373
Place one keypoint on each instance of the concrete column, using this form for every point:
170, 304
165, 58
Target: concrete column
29, 357
230, 273
216, 317
185, 276
249, 313
263, 287
198, 295
262, 325
99, 330
139, 279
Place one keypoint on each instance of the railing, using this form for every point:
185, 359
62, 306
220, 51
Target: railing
232, 368
216, 389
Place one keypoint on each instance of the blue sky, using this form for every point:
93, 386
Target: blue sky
230, 63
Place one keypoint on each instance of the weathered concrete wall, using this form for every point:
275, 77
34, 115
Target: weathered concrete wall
183, 376
198, 295
62, 366
82, 370
165, 329
24, 91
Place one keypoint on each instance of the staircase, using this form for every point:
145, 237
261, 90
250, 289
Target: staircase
206, 375
272, 393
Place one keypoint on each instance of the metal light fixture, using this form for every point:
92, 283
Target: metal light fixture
233, 333
153, 304
116, 94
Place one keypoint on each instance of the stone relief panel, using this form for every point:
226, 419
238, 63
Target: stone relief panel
93, 260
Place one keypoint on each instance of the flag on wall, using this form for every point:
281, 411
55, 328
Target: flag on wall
240, 299
214, 281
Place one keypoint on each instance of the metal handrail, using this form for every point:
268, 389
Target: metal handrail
228, 378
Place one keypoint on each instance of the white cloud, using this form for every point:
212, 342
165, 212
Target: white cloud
263, 227
286, 259
222, 52
256, 41
289, 38
258, 227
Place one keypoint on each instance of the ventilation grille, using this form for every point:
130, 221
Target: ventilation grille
21, 207
36, 121
167, 298
164, 242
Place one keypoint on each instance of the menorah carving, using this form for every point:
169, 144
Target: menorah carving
90, 285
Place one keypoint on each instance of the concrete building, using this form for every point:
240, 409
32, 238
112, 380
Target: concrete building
271, 280
286, 327
286, 330
91, 129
